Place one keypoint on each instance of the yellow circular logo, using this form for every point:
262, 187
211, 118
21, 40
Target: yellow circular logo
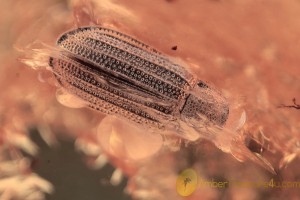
186, 182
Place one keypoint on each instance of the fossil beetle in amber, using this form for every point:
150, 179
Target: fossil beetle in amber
119, 75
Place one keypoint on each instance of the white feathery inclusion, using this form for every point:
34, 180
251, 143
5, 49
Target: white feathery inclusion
116, 177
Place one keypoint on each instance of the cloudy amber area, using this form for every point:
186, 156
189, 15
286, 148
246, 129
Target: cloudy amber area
247, 49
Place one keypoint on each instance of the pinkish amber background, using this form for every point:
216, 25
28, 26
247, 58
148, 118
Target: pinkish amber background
249, 49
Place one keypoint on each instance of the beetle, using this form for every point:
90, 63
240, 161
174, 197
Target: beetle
119, 75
